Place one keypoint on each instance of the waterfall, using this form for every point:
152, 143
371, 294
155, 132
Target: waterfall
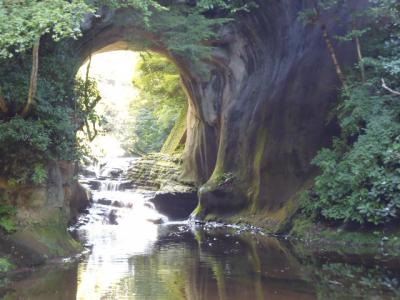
110, 185
114, 199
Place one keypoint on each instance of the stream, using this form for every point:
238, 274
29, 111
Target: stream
136, 253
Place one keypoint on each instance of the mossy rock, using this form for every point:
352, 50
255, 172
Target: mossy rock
177, 135
55, 240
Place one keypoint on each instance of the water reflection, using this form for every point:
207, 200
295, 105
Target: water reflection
192, 263
134, 257
178, 261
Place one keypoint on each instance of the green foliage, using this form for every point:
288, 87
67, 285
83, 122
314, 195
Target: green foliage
365, 282
6, 218
5, 265
183, 29
26, 144
49, 133
63, 106
28, 20
39, 174
87, 96
160, 100
360, 179
22, 140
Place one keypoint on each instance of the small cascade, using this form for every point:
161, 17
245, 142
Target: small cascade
110, 185
115, 202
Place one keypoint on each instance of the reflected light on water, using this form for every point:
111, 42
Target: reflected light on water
109, 261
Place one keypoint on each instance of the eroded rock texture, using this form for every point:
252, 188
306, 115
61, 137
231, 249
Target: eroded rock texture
259, 117
42, 215
263, 115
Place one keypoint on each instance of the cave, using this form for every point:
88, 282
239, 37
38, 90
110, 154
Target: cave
260, 113
283, 181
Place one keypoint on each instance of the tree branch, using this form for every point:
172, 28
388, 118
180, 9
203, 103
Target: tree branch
92, 105
360, 58
33, 80
333, 55
329, 45
389, 89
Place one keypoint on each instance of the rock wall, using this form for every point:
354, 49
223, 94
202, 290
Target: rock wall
255, 126
42, 215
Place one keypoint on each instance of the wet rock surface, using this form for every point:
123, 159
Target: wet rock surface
155, 171
156, 176
175, 205
43, 213
161, 172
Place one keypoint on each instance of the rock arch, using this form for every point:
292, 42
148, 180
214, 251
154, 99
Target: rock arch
260, 116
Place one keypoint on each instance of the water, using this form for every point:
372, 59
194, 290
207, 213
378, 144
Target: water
132, 256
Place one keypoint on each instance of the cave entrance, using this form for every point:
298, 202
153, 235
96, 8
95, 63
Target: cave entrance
138, 105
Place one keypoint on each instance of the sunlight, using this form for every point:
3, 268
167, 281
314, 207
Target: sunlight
113, 72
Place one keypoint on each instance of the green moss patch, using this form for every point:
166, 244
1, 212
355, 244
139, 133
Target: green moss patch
50, 239
175, 140
5, 265
319, 235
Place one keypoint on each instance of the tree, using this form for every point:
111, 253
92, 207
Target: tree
27, 22
360, 173
315, 16
41, 107
159, 103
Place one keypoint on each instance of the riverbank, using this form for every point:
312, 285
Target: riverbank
318, 235
165, 170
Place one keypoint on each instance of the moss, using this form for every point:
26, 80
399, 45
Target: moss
50, 239
339, 239
218, 271
197, 210
301, 227
5, 265
176, 137
57, 240
271, 222
212, 218
254, 190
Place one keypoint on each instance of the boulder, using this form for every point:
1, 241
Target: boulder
85, 172
80, 200
94, 184
175, 205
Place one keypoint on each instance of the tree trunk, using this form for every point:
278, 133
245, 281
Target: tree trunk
333, 55
33, 80
360, 58
359, 54
3, 104
329, 44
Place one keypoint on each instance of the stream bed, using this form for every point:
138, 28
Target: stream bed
136, 253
